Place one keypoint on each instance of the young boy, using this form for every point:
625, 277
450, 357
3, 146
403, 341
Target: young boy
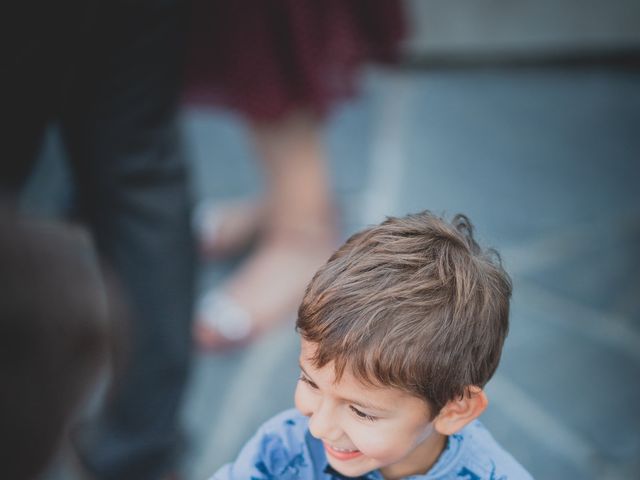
400, 332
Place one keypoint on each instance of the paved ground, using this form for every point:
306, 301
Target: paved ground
545, 162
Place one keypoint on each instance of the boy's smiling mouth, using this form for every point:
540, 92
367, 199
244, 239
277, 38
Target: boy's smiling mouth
341, 453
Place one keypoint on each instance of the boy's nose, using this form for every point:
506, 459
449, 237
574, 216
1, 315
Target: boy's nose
323, 424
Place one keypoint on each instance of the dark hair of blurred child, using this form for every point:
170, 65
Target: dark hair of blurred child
57, 334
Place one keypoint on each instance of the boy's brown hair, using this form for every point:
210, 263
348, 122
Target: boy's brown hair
413, 303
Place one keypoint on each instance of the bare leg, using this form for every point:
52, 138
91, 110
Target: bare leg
298, 234
224, 228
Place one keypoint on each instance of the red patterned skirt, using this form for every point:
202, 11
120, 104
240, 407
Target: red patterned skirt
266, 58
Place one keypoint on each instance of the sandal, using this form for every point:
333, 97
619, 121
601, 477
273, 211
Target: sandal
264, 292
222, 321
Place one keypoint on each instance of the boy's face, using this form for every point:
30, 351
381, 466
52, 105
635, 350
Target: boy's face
365, 428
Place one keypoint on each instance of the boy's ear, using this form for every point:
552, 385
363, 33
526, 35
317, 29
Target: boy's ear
459, 412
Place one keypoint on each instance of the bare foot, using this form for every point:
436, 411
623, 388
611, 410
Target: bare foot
227, 227
264, 292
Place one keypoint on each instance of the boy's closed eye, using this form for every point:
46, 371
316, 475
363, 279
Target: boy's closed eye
356, 411
307, 380
361, 414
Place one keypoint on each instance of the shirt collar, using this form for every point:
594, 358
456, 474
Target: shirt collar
338, 476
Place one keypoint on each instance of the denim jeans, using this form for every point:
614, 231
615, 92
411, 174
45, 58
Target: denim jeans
109, 73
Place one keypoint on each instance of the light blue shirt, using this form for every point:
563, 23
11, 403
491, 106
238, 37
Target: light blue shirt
283, 449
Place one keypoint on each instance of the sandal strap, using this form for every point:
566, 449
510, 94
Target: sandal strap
223, 314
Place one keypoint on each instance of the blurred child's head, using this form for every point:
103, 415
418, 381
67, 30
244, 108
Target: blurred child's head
409, 317
54, 337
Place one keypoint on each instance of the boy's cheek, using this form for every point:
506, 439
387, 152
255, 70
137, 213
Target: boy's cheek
380, 447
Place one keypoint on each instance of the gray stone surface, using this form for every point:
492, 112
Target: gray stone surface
519, 28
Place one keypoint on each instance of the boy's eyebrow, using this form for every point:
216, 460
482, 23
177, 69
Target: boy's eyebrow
359, 403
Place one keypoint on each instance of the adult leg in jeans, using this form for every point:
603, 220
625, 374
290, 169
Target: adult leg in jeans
119, 126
